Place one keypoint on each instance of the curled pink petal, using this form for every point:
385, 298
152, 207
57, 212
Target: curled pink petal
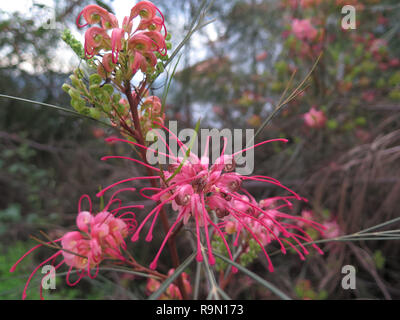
144, 9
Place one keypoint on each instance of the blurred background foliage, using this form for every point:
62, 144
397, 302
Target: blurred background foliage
231, 74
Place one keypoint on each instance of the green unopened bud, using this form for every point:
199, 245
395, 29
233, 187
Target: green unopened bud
108, 88
103, 96
66, 87
86, 111
107, 107
95, 79
168, 37
276, 86
116, 97
160, 67
75, 82
74, 93
332, 124
95, 90
360, 121
66, 36
95, 113
169, 45
78, 49
121, 109
78, 73
78, 104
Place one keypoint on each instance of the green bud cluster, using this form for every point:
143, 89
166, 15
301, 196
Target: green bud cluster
218, 245
75, 44
245, 258
95, 100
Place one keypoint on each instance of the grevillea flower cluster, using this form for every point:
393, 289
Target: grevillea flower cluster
213, 198
99, 237
314, 118
135, 49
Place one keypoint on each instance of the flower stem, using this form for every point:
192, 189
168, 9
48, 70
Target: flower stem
133, 104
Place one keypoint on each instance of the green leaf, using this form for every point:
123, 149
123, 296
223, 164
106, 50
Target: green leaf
215, 289
166, 90
380, 225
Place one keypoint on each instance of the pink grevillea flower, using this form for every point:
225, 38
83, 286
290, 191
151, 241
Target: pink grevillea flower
303, 29
141, 43
95, 14
172, 292
144, 9
95, 39
211, 196
155, 24
116, 42
315, 118
100, 237
152, 104
263, 227
332, 228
